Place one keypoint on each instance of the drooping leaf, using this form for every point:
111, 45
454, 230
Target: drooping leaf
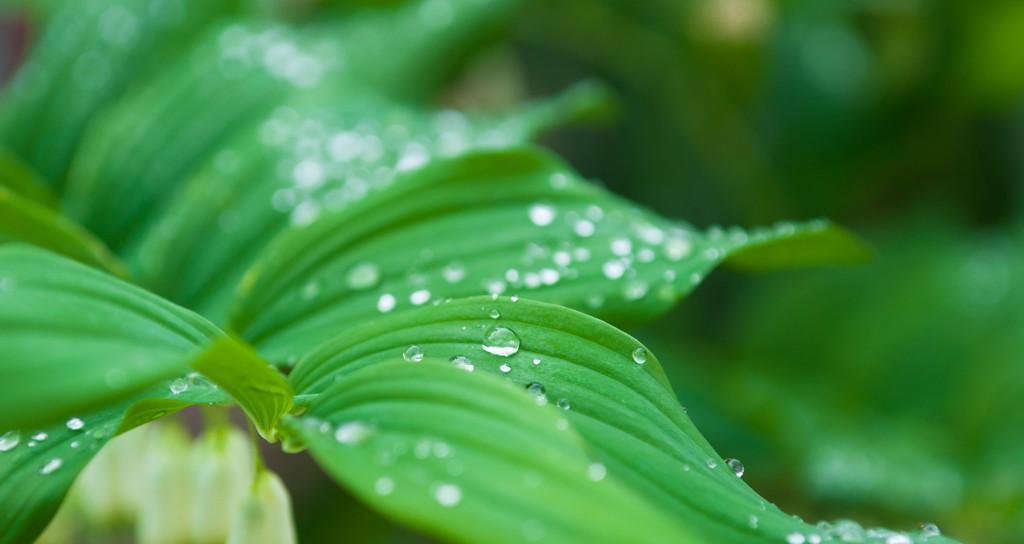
515, 222
23, 220
259, 389
39, 464
89, 52
74, 338
468, 458
235, 77
612, 389
301, 162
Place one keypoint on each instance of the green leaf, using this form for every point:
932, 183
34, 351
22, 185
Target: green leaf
22, 220
514, 222
39, 464
792, 245
20, 179
468, 458
244, 72
89, 53
259, 388
75, 338
612, 389
293, 173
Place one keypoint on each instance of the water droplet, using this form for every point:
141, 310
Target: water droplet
504, 368
501, 341
40, 436
597, 472
386, 303
795, 538
75, 424
453, 272
930, 529
9, 440
736, 466
310, 290
463, 362
677, 248
613, 270
448, 495
549, 276
712, 464
639, 356
384, 486
413, 354
563, 404
178, 386
583, 228
363, 276
352, 433
752, 521
536, 362
621, 247
51, 465
542, 214
494, 313
418, 298
537, 390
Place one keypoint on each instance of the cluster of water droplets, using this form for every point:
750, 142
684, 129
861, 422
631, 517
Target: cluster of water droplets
328, 159
59, 443
276, 50
851, 531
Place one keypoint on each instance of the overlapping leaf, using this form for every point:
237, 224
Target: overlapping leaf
89, 53
300, 163
611, 389
469, 458
516, 222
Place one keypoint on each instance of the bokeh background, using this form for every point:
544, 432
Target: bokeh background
890, 393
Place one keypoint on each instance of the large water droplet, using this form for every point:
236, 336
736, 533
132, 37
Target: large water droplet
639, 356
501, 341
413, 354
9, 440
363, 276
736, 466
75, 424
448, 495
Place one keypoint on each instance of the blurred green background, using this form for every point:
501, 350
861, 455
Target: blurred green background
890, 393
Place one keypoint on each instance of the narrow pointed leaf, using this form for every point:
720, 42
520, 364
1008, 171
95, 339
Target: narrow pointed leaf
612, 389
20, 179
22, 220
468, 458
512, 222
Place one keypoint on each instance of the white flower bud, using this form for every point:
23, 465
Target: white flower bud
221, 480
108, 490
166, 483
266, 516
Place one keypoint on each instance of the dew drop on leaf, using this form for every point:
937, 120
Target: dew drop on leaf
386, 303
352, 433
51, 466
712, 464
40, 436
494, 313
453, 272
9, 440
178, 386
413, 354
639, 356
501, 341
613, 269
384, 486
736, 466
463, 363
420, 297
75, 424
930, 529
563, 404
505, 368
542, 214
448, 495
597, 472
363, 276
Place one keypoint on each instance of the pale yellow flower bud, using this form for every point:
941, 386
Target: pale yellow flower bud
221, 480
266, 516
166, 484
